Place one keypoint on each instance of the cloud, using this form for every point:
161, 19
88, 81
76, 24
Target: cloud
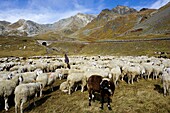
40, 11
158, 4
155, 5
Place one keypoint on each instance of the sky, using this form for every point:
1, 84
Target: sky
50, 11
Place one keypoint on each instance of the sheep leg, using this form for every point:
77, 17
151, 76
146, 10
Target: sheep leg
52, 88
109, 107
131, 80
128, 80
167, 89
90, 98
83, 85
6, 104
70, 88
22, 103
76, 87
154, 74
148, 75
34, 101
102, 102
21, 107
41, 93
164, 87
16, 108
115, 83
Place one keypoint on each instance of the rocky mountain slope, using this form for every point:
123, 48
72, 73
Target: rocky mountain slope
22, 28
157, 23
73, 23
126, 22
29, 28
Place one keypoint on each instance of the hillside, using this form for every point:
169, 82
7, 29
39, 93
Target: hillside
111, 25
158, 23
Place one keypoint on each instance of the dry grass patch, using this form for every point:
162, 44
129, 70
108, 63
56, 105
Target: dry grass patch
146, 96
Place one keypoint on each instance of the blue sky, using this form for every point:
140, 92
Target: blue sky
50, 11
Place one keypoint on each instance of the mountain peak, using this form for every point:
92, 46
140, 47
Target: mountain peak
123, 10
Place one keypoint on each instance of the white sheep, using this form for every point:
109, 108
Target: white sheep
43, 79
62, 73
30, 76
46, 80
7, 87
96, 71
23, 92
167, 69
148, 68
6, 75
166, 82
75, 78
131, 72
157, 70
116, 73
51, 79
64, 87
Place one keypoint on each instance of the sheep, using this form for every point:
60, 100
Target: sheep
7, 87
131, 71
62, 73
101, 85
166, 82
64, 87
115, 72
6, 75
96, 71
148, 68
157, 70
30, 76
42, 78
23, 92
75, 78
15, 68
46, 80
167, 69
42, 66
51, 79
30, 68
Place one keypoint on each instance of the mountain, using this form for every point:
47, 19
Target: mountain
62, 29
29, 28
73, 23
116, 23
123, 22
22, 28
123, 10
157, 23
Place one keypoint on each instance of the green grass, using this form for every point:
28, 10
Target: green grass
12, 46
20, 46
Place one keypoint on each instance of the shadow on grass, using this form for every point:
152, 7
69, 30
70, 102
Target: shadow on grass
49, 90
158, 88
38, 103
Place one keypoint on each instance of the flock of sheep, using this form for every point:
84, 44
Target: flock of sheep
25, 78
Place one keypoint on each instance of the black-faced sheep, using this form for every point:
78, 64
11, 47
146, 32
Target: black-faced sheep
101, 85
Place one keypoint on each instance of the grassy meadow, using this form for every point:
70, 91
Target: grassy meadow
25, 47
146, 96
